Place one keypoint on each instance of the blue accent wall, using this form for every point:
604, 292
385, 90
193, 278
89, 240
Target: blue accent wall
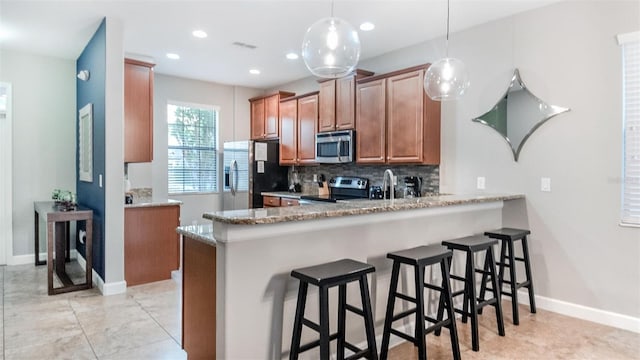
90, 194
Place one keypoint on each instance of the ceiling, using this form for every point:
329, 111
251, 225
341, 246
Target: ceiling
154, 28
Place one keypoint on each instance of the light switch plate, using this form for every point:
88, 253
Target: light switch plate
100, 180
545, 184
480, 183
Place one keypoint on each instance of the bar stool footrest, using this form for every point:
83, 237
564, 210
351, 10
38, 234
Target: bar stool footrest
316, 343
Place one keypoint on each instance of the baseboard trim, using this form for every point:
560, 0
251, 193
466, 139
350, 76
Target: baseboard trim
603, 317
31, 258
105, 289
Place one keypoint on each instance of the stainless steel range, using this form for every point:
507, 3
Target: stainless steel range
342, 188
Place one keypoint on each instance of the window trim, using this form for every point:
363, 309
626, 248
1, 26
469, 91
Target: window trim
215, 108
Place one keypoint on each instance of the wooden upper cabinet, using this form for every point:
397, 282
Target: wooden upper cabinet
405, 113
370, 122
327, 106
257, 119
288, 132
307, 125
395, 121
265, 112
346, 103
271, 105
338, 102
138, 111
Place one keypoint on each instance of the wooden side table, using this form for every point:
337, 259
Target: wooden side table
58, 235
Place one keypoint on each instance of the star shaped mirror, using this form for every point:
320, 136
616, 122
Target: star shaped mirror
518, 114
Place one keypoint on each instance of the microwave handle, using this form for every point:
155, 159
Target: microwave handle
339, 148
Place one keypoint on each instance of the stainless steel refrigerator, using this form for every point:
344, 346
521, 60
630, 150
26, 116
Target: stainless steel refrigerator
251, 167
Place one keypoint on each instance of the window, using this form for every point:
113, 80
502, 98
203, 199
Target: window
631, 114
193, 138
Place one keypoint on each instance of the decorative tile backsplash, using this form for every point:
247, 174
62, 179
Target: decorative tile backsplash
430, 174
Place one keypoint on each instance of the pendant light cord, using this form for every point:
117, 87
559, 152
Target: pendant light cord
331, 8
447, 41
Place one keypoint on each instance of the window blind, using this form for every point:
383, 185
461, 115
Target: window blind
192, 149
631, 116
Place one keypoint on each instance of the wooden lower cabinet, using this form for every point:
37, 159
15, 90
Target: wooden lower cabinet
151, 244
276, 201
198, 299
270, 201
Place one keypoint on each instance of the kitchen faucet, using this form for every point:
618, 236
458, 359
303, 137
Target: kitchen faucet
391, 184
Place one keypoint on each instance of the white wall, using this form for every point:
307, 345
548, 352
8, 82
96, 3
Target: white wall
44, 134
234, 124
567, 55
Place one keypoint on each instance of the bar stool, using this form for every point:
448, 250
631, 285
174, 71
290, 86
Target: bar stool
419, 258
473, 305
325, 276
507, 237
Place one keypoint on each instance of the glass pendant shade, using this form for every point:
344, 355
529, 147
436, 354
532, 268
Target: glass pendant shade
446, 79
331, 48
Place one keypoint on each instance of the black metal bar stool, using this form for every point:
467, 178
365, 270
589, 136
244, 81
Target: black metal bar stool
472, 305
419, 258
507, 237
325, 276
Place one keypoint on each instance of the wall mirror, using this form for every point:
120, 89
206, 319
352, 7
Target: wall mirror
85, 143
518, 113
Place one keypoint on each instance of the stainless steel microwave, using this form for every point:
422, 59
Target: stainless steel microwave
335, 147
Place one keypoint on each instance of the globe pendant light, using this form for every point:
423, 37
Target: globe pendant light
331, 47
446, 79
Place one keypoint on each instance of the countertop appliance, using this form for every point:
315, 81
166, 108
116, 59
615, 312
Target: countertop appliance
251, 167
335, 147
412, 186
342, 188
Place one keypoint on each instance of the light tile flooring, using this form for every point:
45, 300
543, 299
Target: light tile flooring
144, 323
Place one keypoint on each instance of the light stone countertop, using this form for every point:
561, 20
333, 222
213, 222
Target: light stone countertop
148, 202
345, 208
202, 233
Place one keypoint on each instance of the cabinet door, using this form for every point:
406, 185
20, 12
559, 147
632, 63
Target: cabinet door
271, 117
151, 244
405, 114
289, 202
327, 106
370, 122
345, 103
288, 132
138, 111
257, 119
307, 125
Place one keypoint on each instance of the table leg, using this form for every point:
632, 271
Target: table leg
67, 232
50, 257
36, 235
88, 251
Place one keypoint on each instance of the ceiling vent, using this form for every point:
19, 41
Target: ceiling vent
244, 45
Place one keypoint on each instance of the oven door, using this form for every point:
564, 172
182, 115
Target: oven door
334, 147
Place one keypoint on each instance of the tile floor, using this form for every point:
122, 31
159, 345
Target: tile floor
144, 323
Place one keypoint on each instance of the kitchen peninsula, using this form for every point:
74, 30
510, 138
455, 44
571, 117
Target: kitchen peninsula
255, 250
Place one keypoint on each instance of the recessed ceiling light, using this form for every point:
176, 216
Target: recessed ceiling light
173, 56
367, 26
254, 71
200, 34
292, 56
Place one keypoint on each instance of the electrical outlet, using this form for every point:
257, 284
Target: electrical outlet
545, 184
100, 180
480, 183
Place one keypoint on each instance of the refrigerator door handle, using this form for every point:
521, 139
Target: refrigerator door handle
233, 171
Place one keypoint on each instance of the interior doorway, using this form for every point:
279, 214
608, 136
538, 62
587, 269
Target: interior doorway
6, 188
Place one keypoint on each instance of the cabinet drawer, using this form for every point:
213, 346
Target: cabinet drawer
271, 201
289, 202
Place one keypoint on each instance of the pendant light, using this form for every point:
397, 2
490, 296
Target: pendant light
446, 79
331, 47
